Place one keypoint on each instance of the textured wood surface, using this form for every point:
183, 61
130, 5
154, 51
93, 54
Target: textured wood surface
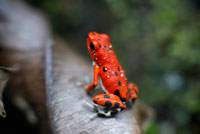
66, 93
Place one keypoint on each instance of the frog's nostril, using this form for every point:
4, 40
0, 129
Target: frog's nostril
92, 46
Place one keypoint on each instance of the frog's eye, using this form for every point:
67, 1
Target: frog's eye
92, 46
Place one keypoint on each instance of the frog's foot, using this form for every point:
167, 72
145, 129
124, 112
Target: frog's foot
133, 91
108, 104
107, 112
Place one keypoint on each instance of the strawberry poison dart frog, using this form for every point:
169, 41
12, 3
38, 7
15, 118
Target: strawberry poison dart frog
112, 76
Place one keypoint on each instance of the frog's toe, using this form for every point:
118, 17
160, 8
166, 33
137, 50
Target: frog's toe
108, 112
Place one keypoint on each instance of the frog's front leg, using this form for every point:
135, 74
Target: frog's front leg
95, 82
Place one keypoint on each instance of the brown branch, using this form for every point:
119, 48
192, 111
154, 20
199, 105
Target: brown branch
66, 93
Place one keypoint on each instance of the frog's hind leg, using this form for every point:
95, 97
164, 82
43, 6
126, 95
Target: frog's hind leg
108, 104
133, 91
109, 101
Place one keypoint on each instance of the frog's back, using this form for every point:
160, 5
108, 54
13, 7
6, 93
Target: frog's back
113, 77
110, 71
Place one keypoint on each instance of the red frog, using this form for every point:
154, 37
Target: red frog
113, 79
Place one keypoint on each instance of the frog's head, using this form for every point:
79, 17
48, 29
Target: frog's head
96, 42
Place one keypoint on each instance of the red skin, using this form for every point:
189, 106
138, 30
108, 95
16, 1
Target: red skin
112, 75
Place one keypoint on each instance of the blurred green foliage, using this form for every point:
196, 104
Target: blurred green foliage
157, 43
